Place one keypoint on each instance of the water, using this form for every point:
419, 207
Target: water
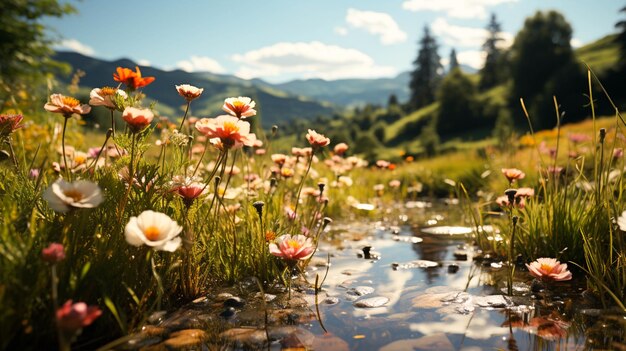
413, 268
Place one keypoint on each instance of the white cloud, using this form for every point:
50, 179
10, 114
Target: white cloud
377, 23
472, 58
76, 46
454, 8
465, 36
341, 31
200, 64
144, 62
309, 60
576, 43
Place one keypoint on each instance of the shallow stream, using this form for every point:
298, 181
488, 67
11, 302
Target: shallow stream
404, 279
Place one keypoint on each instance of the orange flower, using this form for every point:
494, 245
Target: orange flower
230, 131
133, 80
316, 139
513, 174
136, 118
549, 269
340, 148
66, 105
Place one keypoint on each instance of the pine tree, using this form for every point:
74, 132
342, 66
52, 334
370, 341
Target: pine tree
454, 63
427, 74
492, 72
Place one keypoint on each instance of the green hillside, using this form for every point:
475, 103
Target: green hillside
601, 54
274, 106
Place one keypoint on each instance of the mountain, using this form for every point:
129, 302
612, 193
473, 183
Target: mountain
274, 106
351, 92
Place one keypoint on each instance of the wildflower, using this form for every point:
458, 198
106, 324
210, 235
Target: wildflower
189, 190
579, 138
513, 174
382, 164
34, 173
617, 152
66, 105
550, 327
340, 148
286, 172
133, 80
63, 196
621, 221
549, 269
189, 92
292, 248
525, 192
72, 317
154, 229
54, 253
106, 96
137, 118
9, 124
270, 236
240, 107
230, 131
394, 183
317, 140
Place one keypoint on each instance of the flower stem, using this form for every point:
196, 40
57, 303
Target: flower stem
67, 170
182, 123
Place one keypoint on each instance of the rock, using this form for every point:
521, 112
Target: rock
460, 255
453, 268
186, 338
329, 342
152, 330
157, 317
235, 302
435, 342
330, 300
228, 312
448, 230
223, 297
415, 264
249, 337
361, 290
372, 302
292, 336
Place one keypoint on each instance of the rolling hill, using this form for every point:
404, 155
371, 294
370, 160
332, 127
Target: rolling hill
274, 106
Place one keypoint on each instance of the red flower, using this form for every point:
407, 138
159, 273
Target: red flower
131, 79
9, 123
73, 317
54, 253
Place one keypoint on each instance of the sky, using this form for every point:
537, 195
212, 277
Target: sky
282, 40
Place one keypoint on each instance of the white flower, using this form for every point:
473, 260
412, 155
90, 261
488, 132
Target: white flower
63, 196
154, 229
621, 221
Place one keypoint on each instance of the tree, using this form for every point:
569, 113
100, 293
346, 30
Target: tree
492, 72
454, 63
457, 103
427, 74
543, 65
24, 48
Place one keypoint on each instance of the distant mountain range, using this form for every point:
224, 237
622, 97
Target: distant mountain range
277, 103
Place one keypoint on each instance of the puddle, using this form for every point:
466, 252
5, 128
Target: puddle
396, 283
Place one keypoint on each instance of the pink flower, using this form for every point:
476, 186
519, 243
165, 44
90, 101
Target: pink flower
513, 174
295, 248
240, 107
9, 124
549, 269
230, 131
137, 118
189, 92
618, 152
106, 97
66, 105
525, 192
54, 253
73, 317
340, 148
317, 140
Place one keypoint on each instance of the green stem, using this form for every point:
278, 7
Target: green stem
67, 170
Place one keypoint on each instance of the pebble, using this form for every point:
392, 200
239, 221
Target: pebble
372, 302
228, 312
186, 338
361, 290
453, 268
234, 301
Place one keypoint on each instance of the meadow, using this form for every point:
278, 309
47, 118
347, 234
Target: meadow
98, 232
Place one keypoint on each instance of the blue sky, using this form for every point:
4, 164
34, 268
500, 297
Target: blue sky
280, 40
